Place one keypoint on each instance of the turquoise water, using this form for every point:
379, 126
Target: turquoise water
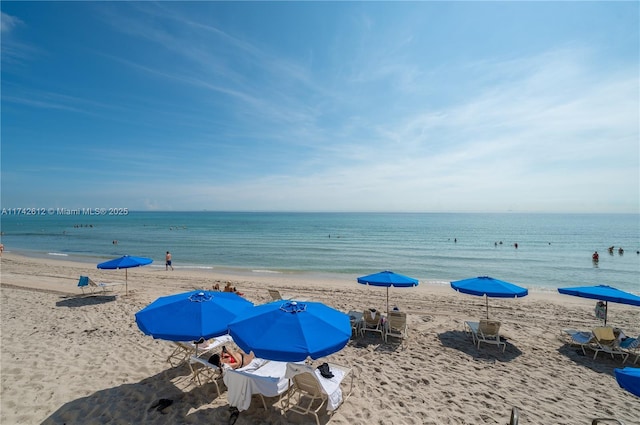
554, 250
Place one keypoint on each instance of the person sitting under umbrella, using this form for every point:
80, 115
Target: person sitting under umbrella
233, 359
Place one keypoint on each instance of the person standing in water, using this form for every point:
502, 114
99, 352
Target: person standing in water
167, 262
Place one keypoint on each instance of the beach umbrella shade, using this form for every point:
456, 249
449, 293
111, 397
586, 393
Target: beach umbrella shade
488, 287
125, 262
629, 379
291, 331
189, 316
388, 278
602, 293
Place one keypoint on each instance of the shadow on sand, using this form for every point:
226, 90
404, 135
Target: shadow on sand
461, 341
136, 404
81, 301
603, 363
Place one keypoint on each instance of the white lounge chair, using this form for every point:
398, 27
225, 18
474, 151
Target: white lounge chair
487, 331
309, 391
184, 349
371, 322
396, 326
262, 377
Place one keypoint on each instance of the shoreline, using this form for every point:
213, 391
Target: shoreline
438, 377
236, 273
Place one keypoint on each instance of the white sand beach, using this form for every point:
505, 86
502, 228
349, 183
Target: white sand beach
72, 359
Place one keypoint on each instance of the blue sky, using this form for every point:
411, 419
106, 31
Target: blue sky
328, 106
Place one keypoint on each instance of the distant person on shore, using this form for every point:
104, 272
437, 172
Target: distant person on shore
216, 287
229, 288
595, 257
167, 262
1, 249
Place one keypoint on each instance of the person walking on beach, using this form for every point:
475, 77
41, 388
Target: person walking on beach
167, 263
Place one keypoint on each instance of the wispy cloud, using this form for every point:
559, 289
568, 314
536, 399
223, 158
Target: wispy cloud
374, 115
9, 23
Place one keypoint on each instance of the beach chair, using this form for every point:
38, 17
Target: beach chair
309, 391
83, 284
203, 372
582, 339
355, 318
396, 326
632, 347
276, 296
487, 331
261, 377
371, 322
606, 341
180, 353
183, 350
89, 284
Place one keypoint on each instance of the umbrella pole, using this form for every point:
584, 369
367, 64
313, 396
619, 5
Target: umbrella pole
486, 298
126, 283
606, 307
387, 300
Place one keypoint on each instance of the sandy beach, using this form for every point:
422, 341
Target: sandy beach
73, 359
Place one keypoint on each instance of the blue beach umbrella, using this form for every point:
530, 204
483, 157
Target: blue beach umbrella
629, 379
485, 286
125, 262
189, 316
602, 293
388, 278
291, 331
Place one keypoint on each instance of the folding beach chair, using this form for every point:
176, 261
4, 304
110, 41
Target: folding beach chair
632, 347
606, 341
582, 339
487, 331
372, 322
309, 391
203, 372
86, 282
396, 326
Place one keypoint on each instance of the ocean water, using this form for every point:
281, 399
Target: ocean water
554, 250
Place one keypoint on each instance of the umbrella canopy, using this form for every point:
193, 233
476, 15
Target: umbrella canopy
489, 287
629, 379
291, 331
125, 262
388, 278
602, 293
190, 316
